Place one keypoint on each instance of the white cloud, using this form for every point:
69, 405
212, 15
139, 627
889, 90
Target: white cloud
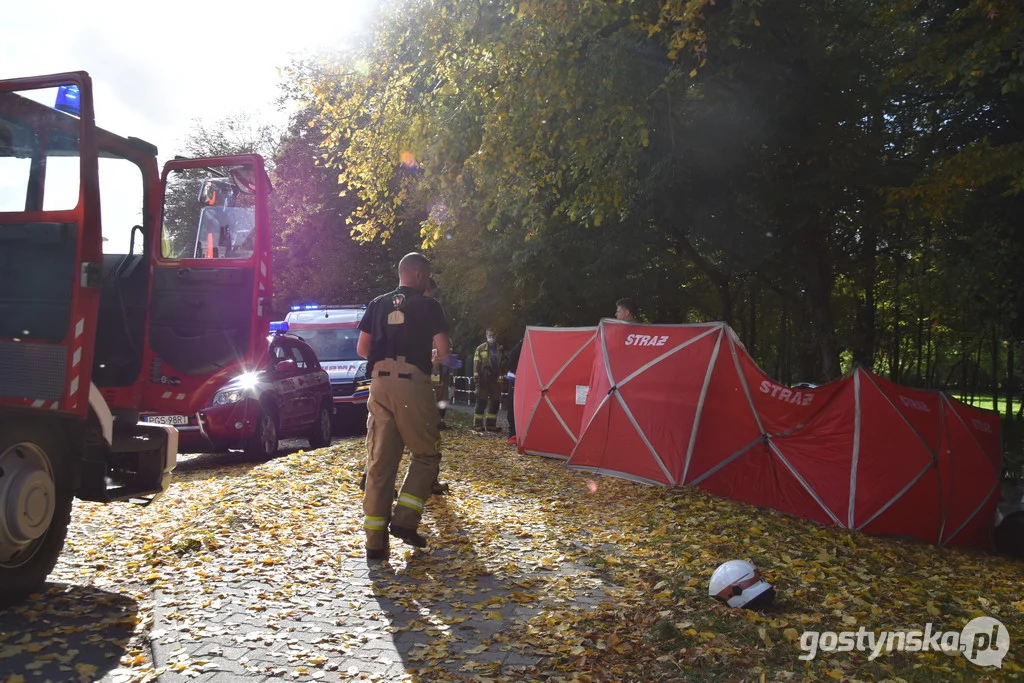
157, 67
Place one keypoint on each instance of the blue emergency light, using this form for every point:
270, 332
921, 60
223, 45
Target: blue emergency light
318, 307
279, 326
68, 101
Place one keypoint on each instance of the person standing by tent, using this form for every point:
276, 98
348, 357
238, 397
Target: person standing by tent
513, 366
395, 336
489, 368
440, 375
441, 379
625, 309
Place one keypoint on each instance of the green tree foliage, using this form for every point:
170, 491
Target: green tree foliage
234, 134
837, 179
315, 257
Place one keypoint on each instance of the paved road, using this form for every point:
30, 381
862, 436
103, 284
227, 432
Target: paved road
355, 621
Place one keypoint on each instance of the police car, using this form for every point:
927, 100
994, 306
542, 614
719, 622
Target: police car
333, 331
286, 395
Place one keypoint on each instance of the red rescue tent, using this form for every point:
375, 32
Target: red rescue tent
685, 404
551, 388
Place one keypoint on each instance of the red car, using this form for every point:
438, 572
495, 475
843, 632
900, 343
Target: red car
287, 395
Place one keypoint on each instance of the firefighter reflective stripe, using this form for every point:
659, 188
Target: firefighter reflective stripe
410, 501
375, 523
492, 416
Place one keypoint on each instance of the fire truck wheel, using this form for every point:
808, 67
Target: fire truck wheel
320, 432
35, 506
263, 443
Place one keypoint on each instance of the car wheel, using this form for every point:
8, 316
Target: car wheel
35, 507
263, 442
320, 432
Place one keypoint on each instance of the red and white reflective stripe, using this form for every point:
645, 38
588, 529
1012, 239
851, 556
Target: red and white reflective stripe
263, 275
169, 394
40, 403
738, 587
76, 359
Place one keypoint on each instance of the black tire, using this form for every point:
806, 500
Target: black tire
34, 468
320, 433
262, 445
1009, 536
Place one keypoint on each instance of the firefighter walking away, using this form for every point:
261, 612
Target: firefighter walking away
400, 334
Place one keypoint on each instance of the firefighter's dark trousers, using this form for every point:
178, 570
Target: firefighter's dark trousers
488, 397
510, 410
402, 414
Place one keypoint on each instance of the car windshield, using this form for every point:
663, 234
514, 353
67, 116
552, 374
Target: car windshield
336, 344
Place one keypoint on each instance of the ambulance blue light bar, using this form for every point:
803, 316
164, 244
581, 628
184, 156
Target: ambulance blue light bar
332, 307
279, 326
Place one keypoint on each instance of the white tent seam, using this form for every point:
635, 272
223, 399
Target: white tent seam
700, 408
898, 495
807, 487
855, 460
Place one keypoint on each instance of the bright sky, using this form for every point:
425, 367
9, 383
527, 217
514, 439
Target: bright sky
158, 66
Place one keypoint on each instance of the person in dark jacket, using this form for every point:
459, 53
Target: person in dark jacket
513, 367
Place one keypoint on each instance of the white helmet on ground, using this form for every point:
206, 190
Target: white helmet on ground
739, 584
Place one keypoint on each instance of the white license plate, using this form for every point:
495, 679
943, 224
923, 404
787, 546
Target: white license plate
168, 419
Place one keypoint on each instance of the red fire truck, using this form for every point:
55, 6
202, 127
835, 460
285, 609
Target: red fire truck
127, 297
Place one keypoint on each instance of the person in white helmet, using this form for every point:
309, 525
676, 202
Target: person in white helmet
738, 583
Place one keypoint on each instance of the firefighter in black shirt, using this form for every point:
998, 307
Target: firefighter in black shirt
397, 335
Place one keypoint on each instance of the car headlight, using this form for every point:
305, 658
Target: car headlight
229, 396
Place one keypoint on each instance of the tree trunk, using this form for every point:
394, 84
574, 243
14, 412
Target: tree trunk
1011, 381
977, 372
930, 367
963, 365
780, 364
819, 299
718, 277
995, 369
724, 299
864, 344
894, 354
752, 332
918, 379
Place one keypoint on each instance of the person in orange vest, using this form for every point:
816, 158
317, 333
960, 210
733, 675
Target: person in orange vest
489, 367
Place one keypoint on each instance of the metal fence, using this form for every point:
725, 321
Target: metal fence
465, 391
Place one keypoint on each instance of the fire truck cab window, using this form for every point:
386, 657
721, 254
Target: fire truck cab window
209, 213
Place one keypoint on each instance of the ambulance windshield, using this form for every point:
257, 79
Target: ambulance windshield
336, 344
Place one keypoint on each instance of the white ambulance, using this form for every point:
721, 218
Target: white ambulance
333, 331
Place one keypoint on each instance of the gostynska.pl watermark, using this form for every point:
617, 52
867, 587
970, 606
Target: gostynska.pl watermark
984, 641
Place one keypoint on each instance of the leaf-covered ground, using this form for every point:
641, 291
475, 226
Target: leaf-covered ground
555, 540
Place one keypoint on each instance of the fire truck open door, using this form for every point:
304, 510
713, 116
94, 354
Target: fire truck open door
50, 242
211, 287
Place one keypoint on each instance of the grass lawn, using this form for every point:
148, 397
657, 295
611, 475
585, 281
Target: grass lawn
984, 401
